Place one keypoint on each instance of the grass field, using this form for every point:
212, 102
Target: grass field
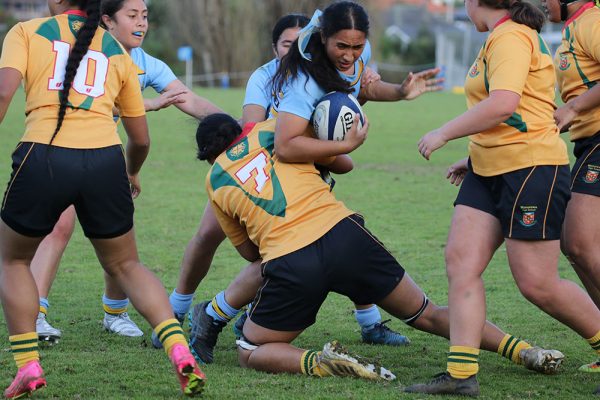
406, 202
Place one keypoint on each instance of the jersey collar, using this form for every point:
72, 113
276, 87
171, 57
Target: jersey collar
579, 12
79, 13
245, 131
501, 21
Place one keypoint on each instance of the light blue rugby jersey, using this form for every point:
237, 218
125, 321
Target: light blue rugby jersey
259, 89
301, 95
153, 72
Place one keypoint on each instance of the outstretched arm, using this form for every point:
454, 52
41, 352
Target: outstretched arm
412, 87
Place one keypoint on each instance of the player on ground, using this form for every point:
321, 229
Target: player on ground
310, 244
515, 191
257, 103
577, 65
74, 74
311, 69
127, 21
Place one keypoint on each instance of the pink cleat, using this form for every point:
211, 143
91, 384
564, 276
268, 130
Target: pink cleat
29, 378
191, 378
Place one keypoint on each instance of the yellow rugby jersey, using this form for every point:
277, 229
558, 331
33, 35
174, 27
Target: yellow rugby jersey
577, 63
515, 57
280, 207
39, 49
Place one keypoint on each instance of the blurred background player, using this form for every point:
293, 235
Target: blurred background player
515, 190
71, 154
127, 21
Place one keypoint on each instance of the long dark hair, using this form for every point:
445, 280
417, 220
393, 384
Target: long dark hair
215, 134
82, 42
286, 22
520, 11
336, 17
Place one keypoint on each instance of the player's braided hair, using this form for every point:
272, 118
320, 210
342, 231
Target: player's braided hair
215, 134
336, 17
520, 11
82, 43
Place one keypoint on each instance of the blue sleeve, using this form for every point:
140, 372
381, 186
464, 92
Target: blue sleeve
258, 89
366, 54
158, 74
300, 97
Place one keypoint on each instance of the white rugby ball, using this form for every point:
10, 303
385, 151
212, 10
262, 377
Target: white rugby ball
334, 115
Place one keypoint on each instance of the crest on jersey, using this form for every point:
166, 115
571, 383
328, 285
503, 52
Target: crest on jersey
564, 63
238, 151
474, 71
528, 216
592, 174
76, 25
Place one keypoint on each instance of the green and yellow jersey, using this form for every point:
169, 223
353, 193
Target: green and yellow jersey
39, 50
515, 58
280, 207
577, 63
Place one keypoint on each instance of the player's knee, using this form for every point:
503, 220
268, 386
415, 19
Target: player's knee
538, 292
415, 319
207, 239
245, 349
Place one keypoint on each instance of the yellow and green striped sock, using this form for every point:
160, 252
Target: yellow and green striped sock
24, 348
463, 361
309, 365
511, 346
169, 333
113, 311
595, 343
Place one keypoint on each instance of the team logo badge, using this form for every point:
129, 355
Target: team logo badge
474, 71
528, 216
238, 151
592, 174
564, 63
76, 26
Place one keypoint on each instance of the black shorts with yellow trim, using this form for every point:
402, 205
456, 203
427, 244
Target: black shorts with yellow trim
45, 180
530, 203
585, 174
347, 260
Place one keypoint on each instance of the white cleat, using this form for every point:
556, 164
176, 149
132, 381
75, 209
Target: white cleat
45, 331
337, 361
121, 324
542, 360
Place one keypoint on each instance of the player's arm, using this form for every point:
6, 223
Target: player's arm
10, 79
248, 251
341, 164
585, 102
487, 114
412, 87
253, 113
191, 104
293, 145
137, 148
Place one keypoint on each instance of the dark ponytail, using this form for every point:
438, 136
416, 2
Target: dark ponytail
82, 43
526, 13
215, 134
336, 17
522, 12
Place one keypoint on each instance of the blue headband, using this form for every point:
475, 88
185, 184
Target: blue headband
306, 33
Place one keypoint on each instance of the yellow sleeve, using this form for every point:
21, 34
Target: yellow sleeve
232, 228
130, 101
15, 52
508, 61
590, 40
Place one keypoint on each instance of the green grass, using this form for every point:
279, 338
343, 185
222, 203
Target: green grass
407, 204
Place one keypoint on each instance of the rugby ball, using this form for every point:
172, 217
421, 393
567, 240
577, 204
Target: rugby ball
334, 115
